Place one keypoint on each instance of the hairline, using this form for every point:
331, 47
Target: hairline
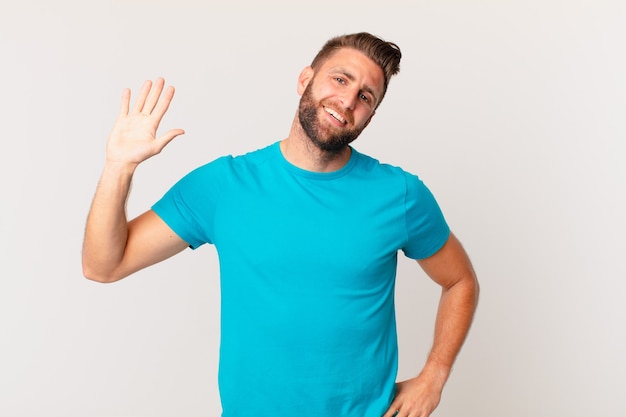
320, 63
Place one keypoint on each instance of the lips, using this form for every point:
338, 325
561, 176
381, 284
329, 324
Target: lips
335, 114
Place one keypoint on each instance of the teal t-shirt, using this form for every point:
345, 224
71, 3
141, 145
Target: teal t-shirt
307, 273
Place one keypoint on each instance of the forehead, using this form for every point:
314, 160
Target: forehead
358, 65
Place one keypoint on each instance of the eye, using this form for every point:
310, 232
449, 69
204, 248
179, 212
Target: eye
340, 80
364, 98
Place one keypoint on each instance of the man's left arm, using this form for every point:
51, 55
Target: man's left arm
451, 268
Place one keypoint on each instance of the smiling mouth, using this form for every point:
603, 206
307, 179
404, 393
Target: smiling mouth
336, 115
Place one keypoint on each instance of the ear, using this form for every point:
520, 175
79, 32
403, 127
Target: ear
304, 79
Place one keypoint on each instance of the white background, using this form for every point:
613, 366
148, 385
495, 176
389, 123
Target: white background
513, 112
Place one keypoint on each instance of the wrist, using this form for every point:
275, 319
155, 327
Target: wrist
119, 168
435, 372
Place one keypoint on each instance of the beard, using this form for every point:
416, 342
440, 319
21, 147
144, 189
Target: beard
322, 137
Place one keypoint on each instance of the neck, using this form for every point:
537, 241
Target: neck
300, 151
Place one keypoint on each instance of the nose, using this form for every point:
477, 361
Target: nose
349, 98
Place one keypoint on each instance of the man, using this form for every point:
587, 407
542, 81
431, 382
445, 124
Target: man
307, 231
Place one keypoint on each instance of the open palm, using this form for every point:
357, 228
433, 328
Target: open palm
133, 138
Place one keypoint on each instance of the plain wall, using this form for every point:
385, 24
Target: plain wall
512, 112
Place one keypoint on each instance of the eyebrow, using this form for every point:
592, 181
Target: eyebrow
351, 77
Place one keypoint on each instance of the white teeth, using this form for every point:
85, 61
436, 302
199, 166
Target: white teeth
335, 114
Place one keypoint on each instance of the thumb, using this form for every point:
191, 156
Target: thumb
167, 137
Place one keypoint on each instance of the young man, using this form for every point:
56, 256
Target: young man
307, 231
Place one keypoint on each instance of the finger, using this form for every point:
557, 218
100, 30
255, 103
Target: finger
393, 411
164, 103
153, 97
141, 99
167, 137
125, 102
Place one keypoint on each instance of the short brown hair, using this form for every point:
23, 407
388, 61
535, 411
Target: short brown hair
385, 54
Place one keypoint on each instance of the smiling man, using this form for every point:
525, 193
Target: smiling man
349, 86
308, 231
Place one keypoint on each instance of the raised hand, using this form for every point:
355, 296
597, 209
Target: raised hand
133, 138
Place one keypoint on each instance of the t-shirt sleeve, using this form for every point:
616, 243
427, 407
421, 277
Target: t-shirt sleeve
188, 208
427, 229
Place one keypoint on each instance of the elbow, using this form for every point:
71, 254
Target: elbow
469, 287
470, 282
476, 283
474, 288
101, 278
98, 275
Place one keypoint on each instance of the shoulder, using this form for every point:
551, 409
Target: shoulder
232, 164
254, 158
383, 170
415, 192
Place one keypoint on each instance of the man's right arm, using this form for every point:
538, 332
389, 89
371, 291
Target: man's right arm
114, 248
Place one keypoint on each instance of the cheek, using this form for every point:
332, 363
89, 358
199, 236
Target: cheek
365, 117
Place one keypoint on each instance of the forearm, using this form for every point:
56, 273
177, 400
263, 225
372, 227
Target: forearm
419, 396
454, 317
106, 230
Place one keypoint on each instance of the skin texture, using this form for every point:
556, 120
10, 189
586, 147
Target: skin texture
114, 248
349, 85
451, 269
339, 99
349, 101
